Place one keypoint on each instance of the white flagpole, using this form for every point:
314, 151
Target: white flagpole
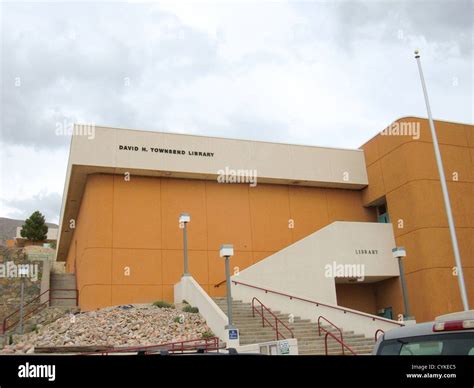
444, 188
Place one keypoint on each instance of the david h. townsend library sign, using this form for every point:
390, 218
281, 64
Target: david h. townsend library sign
172, 151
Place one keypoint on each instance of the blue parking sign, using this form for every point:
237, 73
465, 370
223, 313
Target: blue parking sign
233, 334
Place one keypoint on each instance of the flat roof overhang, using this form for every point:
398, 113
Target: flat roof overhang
118, 151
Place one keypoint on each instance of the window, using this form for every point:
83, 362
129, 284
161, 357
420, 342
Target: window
433, 345
382, 214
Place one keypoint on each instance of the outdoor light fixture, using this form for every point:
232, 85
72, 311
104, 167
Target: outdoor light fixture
399, 252
226, 251
184, 218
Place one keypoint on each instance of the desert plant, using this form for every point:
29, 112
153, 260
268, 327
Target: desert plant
190, 309
207, 334
162, 304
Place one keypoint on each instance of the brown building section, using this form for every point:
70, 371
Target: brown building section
402, 172
127, 245
360, 297
132, 226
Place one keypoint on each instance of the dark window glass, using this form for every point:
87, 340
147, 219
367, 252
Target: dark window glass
437, 344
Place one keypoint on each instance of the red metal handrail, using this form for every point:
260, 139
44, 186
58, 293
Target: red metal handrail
208, 344
345, 310
217, 285
338, 340
377, 332
262, 314
7, 326
327, 331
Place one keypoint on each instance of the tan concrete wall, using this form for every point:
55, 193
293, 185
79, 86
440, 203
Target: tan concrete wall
403, 170
135, 224
300, 269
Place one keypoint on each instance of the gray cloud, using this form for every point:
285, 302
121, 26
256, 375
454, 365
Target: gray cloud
129, 65
88, 70
321, 73
48, 204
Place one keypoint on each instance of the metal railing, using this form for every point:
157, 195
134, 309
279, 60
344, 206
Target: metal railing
344, 345
344, 310
33, 307
327, 331
262, 311
199, 344
217, 285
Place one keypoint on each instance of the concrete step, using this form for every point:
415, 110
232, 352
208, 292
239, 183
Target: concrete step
63, 303
332, 347
297, 330
63, 298
62, 284
322, 353
304, 330
334, 344
338, 351
63, 276
249, 315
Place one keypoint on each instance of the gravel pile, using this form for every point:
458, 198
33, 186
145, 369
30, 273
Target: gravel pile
131, 325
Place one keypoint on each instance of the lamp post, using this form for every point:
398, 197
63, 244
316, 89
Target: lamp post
22, 272
399, 253
184, 218
226, 251
444, 189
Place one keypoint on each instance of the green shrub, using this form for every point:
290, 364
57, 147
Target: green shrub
190, 309
163, 304
207, 334
185, 301
177, 320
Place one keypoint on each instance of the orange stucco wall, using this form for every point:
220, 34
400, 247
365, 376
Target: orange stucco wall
404, 171
135, 224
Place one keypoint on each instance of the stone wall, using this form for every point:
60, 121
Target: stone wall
10, 287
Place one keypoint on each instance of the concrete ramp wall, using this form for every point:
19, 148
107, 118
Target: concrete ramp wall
308, 269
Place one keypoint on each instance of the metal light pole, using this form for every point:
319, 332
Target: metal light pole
399, 253
226, 251
184, 218
22, 302
444, 188
22, 272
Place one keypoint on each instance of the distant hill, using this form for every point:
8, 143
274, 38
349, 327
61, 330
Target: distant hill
8, 228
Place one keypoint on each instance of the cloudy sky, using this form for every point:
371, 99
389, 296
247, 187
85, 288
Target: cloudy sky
321, 73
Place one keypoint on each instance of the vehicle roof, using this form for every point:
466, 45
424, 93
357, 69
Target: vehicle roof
417, 330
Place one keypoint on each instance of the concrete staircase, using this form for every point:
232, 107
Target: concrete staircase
306, 332
63, 281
